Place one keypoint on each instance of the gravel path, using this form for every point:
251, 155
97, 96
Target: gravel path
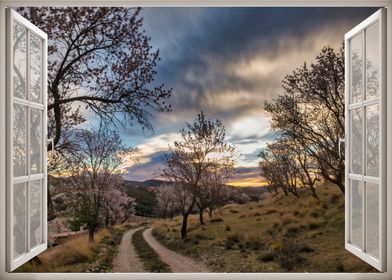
126, 259
177, 262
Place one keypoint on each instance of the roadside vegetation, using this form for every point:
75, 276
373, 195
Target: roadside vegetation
279, 233
80, 255
151, 261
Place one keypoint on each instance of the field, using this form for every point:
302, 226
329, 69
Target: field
277, 234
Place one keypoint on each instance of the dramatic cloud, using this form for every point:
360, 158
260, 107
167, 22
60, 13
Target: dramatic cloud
228, 62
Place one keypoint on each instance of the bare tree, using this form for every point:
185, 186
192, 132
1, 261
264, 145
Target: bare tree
167, 204
213, 185
201, 147
95, 172
99, 59
306, 168
311, 112
278, 166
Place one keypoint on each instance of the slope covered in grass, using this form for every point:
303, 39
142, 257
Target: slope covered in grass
278, 234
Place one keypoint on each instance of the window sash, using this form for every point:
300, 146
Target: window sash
28, 178
360, 30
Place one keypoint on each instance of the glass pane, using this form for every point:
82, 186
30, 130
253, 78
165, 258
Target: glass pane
372, 62
372, 140
372, 219
356, 141
35, 68
36, 141
19, 219
20, 61
356, 212
35, 213
19, 139
356, 55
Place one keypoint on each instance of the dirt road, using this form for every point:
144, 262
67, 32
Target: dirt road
126, 259
177, 262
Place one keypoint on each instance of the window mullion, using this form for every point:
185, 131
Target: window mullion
364, 167
28, 88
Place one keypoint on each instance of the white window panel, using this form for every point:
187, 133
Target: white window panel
366, 137
26, 143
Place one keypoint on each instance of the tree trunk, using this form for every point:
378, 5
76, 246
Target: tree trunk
340, 185
201, 217
210, 213
91, 230
107, 218
313, 189
51, 213
184, 226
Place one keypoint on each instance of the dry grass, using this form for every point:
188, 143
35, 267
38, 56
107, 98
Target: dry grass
277, 234
76, 255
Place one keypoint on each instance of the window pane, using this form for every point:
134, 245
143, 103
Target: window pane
35, 213
356, 212
372, 219
356, 55
19, 139
356, 141
35, 68
372, 62
372, 140
19, 59
36, 141
19, 219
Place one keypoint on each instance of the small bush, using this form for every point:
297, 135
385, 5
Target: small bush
253, 245
334, 198
267, 257
216, 220
314, 224
293, 228
288, 256
231, 240
271, 211
200, 237
314, 214
306, 249
340, 267
287, 218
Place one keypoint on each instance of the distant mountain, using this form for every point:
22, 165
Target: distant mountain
152, 183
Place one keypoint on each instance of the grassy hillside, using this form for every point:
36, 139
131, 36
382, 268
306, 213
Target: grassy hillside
275, 235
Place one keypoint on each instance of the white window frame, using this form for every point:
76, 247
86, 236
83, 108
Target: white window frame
380, 264
194, 3
12, 18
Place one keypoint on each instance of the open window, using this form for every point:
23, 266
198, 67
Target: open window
365, 82
365, 126
26, 141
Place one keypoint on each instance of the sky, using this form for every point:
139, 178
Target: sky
228, 62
